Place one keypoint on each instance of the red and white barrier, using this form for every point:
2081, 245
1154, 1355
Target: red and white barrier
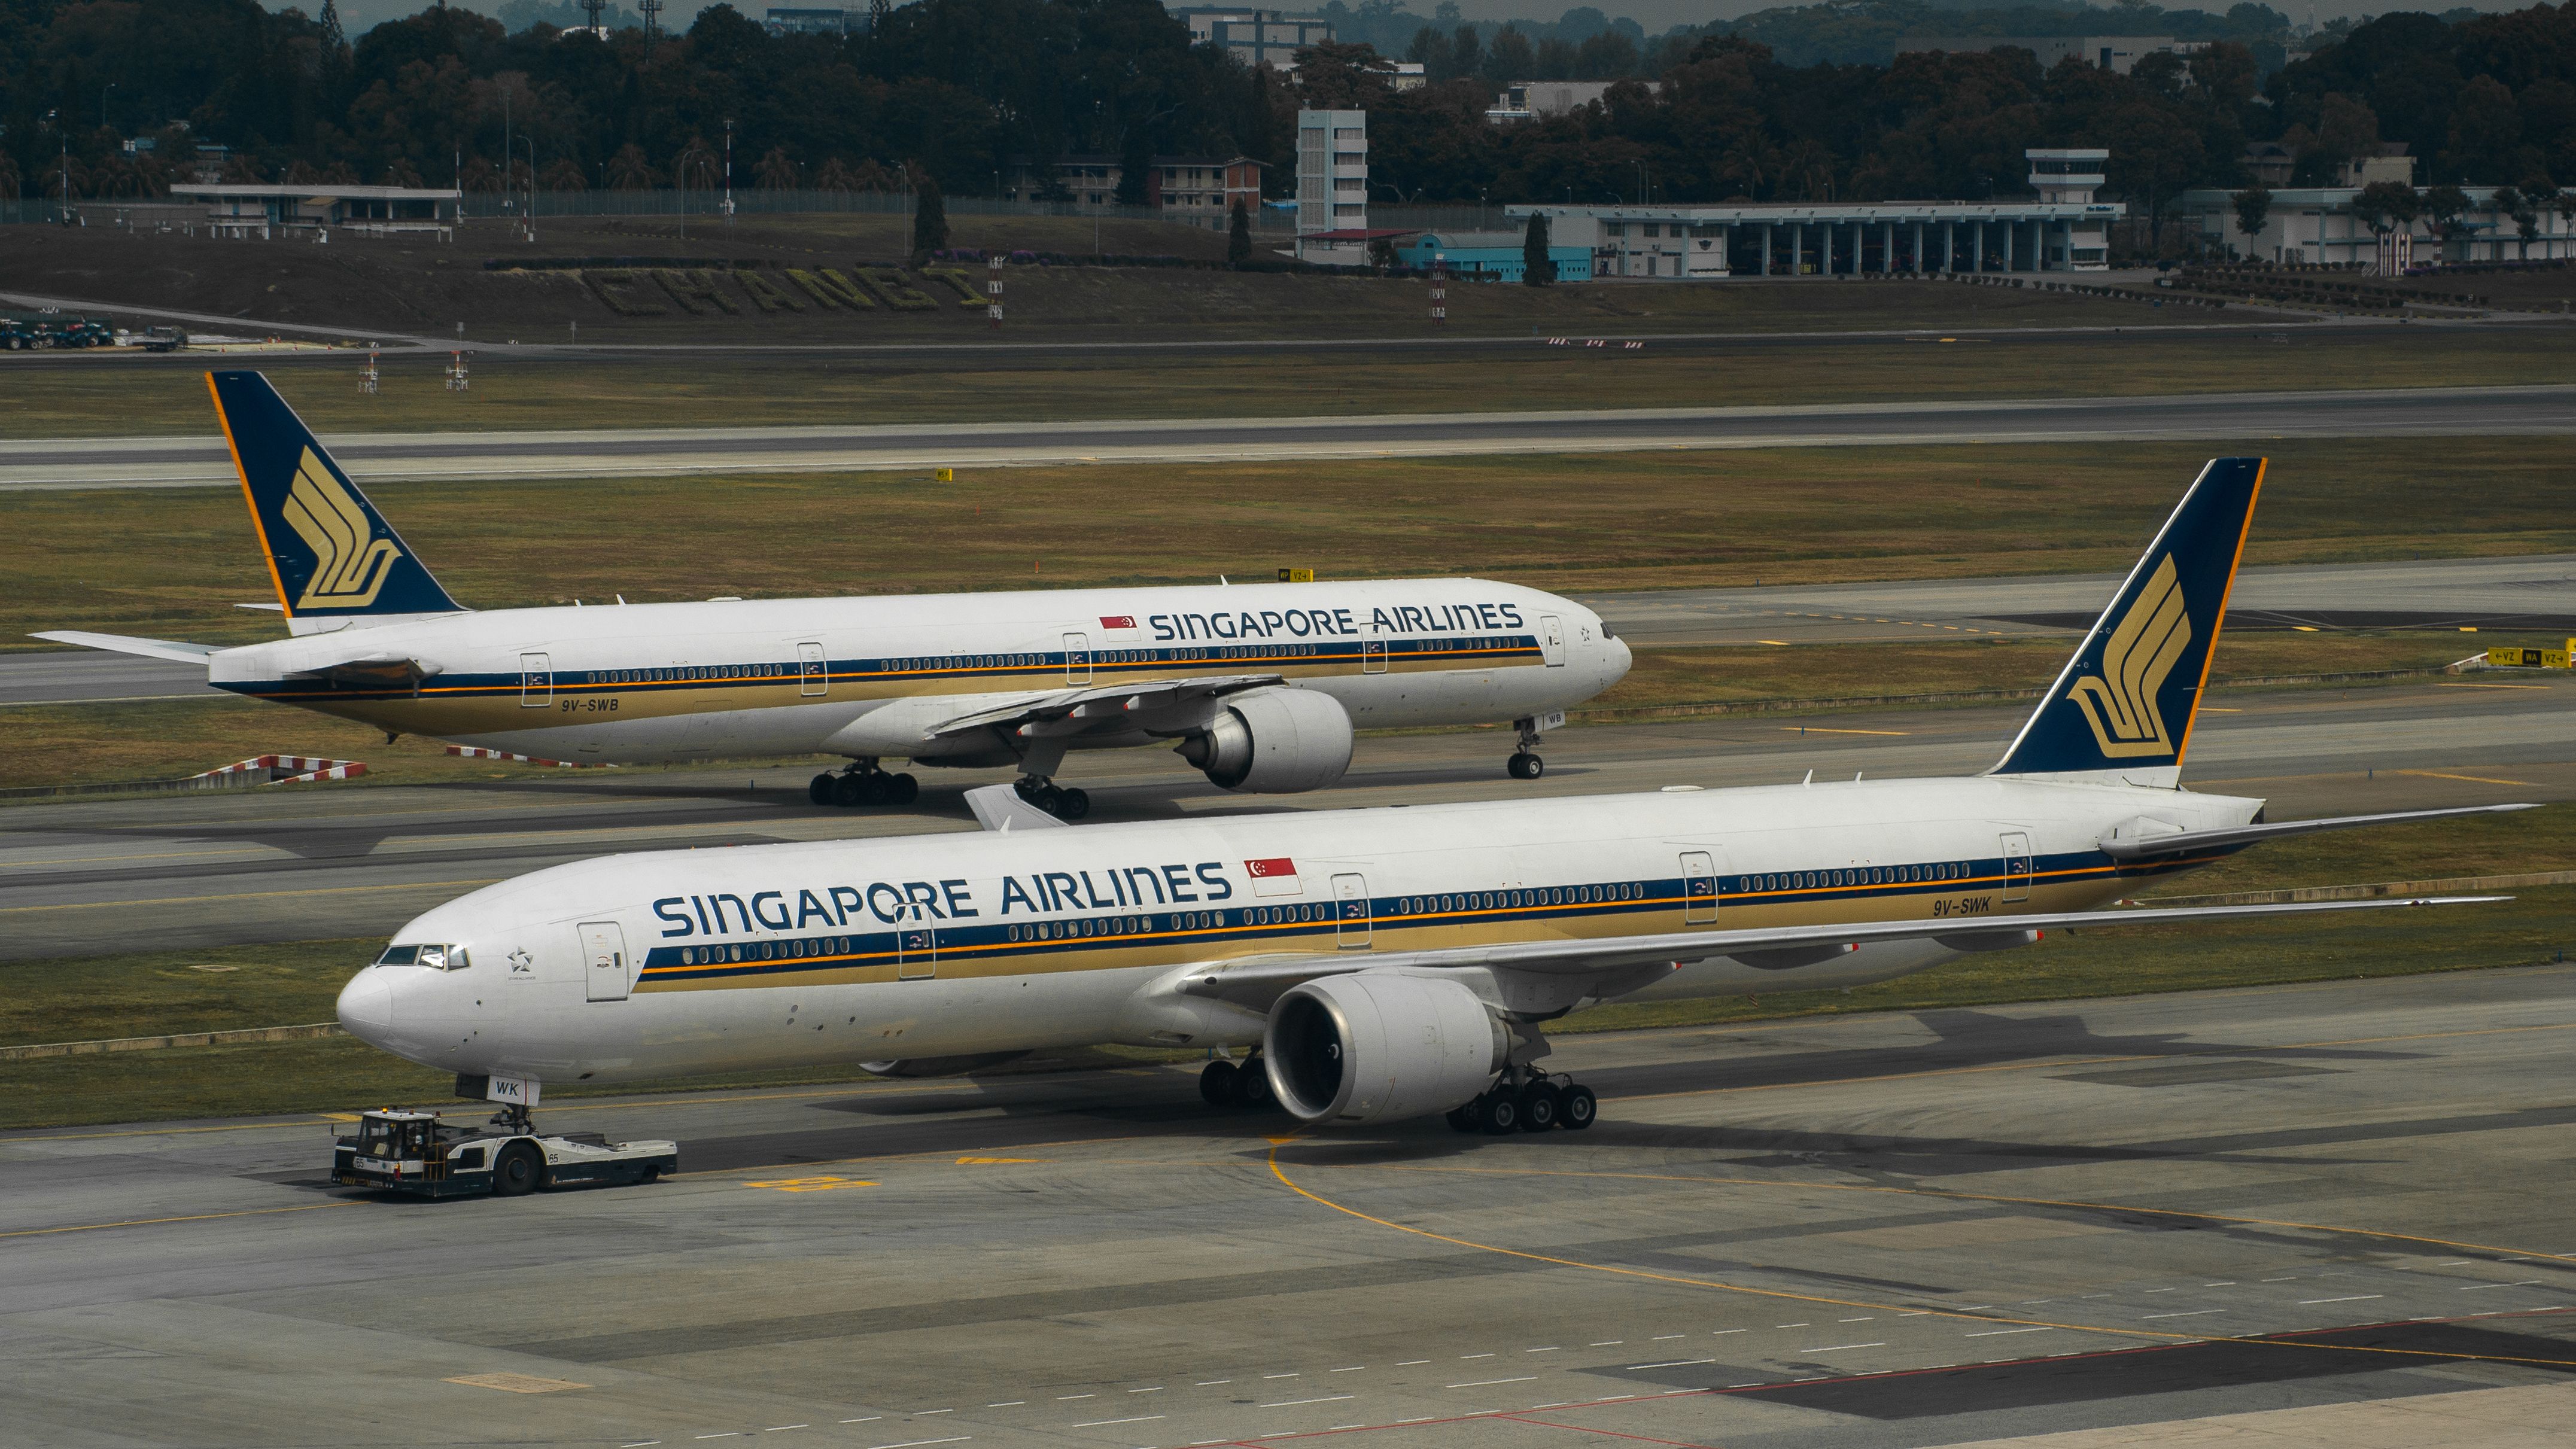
477, 752
289, 769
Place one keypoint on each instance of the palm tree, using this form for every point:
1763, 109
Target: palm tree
871, 176
835, 175
629, 171
565, 175
341, 173
402, 173
775, 171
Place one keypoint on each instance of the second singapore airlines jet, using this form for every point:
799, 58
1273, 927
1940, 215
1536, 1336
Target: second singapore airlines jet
1382, 963
1258, 686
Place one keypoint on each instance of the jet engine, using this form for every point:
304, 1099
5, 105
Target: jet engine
1274, 742
1380, 1046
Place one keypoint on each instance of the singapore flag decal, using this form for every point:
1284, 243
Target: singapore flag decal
1276, 876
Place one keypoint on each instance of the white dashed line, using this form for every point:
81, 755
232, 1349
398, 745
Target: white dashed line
1326, 1399
1723, 1332
1354, 1368
1413, 1363
1465, 1356
2000, 1332
1156, 1389
1551, 1348
1209, 1384
2525, 1283
1790, 1325
2194, 1313
1660, 1337
2347, 1298
1676, 1363
783, 1428
1839, 1347
1139, 1419
870, 1419
1069, 1398
918, 1443
1855, 1320
1279, 1376
1607, 1343
2227, 1283
1007, 1404
1489, 1383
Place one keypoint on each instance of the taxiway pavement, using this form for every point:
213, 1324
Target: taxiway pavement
2326, 1204
96, 876
2236, 420
2534, 592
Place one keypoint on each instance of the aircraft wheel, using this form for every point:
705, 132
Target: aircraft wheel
1252, 1086
1072, 804
820, 792
1526, 766
1499, 1113
849, 791
902, 789
1578, 1109
518, 1172
1216, 1083
875, 788
1539, 1107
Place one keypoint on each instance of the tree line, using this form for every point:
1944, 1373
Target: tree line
960, 90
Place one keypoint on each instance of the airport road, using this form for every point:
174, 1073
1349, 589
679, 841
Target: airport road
89, 877
2241, 421
2336, 1207
2534, 592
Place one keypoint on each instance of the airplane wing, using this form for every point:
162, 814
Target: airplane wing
2179, 842
175, 650
1070, 711
372, 671
1259, 981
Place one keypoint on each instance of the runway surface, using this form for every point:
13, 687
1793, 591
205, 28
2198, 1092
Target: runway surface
2337, 1206
89, 877
2235, 420
2533, 592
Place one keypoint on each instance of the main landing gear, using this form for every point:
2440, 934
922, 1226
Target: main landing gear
1244, 1084
1054, 799
1525, 763
1528, 1101
862, 784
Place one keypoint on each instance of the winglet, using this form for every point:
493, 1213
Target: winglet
2123, 707
999, 808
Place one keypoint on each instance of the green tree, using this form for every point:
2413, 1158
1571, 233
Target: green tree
929, 215
2253, 209
1238, 237
1135, 168
2447, 208
2384, 206
1538, 269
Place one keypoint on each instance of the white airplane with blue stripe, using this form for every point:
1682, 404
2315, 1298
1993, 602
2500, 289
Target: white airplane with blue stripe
1259, 687
1380, 964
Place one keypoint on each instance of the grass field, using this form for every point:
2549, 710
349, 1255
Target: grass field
174, 563
91, 395
167, 992
159, 739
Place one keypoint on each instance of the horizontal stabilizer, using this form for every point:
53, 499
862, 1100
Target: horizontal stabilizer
1258, 983
999, 808
178, 651
2183, 842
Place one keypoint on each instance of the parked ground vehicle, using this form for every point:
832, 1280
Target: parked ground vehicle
160, 339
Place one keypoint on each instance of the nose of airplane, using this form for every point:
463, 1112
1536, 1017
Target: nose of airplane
1620, 656
367, 1007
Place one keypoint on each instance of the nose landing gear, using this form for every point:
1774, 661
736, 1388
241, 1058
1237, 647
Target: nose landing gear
1054, 799
1525, 763
862, 783
1527, 1101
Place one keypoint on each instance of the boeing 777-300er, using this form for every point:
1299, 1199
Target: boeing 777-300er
1382, 963
1258, 686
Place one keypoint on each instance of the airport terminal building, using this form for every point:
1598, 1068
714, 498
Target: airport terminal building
2061, 229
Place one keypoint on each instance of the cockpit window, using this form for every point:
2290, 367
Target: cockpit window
435, 957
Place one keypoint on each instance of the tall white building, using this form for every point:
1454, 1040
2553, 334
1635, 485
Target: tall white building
1332, 186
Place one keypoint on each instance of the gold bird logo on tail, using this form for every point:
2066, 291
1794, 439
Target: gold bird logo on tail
349, 567
2120, 702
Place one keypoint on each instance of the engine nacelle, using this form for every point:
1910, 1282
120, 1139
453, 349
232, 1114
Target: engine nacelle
1274, 742
1380, 1046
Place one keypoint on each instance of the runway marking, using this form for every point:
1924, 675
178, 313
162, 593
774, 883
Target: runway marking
1139, 1419
2003, 1332
310, 1207
2477, 779
1841, 1347
2194, 1313
1489, 1383
812, 1184
425, 885
1292, 1403
2352, 1298
1817, 730
2491, 686
2525, 1283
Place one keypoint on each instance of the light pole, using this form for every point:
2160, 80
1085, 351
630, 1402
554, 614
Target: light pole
728, 196
531, 143
507, 151
102, 104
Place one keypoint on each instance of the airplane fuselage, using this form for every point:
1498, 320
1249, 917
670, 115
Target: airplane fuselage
678, 963
880, 676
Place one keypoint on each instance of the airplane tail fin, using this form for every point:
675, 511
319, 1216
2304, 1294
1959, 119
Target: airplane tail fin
2123, 707
334, 559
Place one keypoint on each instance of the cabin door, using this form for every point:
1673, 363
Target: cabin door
811, 677
1551, 640
1077, 659
1699, 888
603, 953
916, 945
536, 681
2016, 865
1372, 656
1352, 925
